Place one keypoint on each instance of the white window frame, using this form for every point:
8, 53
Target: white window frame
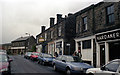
59, 31
51, 34
85, 24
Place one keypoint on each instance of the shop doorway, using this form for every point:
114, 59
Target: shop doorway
114, 50
102, 55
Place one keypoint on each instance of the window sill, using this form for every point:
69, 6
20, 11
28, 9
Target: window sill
109, 24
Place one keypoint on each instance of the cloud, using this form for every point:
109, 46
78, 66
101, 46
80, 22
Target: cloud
21, 16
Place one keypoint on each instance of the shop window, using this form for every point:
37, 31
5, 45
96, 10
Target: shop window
110, 14
86, 44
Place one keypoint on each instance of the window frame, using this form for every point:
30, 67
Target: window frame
51, 34
59, 31
86, 44
85, 23
110, 17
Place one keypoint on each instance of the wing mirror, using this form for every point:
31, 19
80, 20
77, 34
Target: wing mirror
103, 68
63, 61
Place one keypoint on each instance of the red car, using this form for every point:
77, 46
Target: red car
4, 63
34, 55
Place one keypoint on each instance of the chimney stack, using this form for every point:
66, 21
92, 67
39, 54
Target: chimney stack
51, 21
42, 29
70, 14
59, 17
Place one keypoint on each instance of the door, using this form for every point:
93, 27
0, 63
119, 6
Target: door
102, 55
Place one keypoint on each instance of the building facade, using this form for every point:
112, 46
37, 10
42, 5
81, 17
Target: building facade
7, 47
97, 33
58, 37
94, 32
107, 31
22, 44
85, 39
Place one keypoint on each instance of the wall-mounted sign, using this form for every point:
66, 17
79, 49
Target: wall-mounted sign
41, 39
108, 36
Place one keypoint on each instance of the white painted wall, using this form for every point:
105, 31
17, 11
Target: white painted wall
39, 48
87, 54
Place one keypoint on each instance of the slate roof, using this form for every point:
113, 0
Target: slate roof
21, 39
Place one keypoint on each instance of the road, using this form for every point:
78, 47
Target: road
20, 65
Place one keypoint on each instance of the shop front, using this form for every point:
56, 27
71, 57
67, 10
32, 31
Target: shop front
17, 50
51, 48
59, 46
39, 48
108, 46
86, 46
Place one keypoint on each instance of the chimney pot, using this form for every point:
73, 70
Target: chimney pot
42, 28
59, 17
70, 14
52, 21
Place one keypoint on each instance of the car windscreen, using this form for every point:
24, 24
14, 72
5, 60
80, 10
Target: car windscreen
35, 53
47, 56
3, 58
29, 53
73, 59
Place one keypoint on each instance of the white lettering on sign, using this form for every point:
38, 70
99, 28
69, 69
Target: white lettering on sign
107, 36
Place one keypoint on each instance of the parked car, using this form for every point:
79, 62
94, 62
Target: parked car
70, 64
5, 64
45, 59
27, 55
34, 55
111, 68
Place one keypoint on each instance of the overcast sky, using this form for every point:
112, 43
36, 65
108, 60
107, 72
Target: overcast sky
20, 16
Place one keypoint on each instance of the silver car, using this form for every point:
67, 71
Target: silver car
70, 64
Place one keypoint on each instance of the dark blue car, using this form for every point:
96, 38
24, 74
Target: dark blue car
70, 64
45, 59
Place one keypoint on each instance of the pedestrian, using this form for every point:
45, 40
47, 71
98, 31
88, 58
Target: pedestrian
56, 54
21, 53
75, 53
79, 54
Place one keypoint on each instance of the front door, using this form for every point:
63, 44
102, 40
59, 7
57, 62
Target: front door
102, 55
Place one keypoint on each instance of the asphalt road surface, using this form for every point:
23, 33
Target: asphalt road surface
22, 66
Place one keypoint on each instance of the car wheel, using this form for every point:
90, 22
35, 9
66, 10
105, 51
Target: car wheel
68, 72
90, 74
43, 63
38, 62
54, 67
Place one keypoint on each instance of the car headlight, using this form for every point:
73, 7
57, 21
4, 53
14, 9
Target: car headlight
4, 69
46, 60
81, 69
